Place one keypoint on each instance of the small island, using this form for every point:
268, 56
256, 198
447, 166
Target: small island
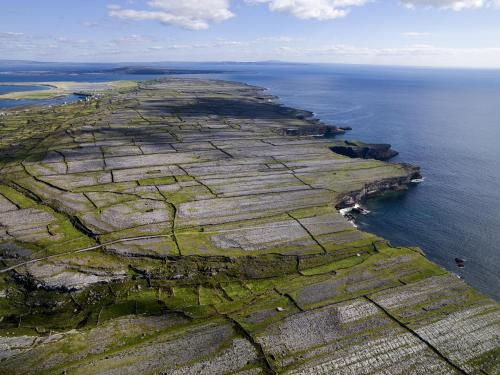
184, 226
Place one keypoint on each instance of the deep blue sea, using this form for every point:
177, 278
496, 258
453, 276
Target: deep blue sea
445, 120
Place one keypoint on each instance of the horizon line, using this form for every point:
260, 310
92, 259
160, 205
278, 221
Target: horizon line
254, 62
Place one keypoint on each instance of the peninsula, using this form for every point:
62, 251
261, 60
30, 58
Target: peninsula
184, 226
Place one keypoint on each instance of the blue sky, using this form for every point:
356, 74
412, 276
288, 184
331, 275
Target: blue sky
458, 33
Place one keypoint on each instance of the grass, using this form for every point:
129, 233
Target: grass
157, 181
331, 267
256, 287
63, 232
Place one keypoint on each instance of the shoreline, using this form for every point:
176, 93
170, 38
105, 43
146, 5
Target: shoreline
212, 213
316, 128
63, 88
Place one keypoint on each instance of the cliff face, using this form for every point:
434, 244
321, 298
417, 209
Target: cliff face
381, 187
356, 149
190, 227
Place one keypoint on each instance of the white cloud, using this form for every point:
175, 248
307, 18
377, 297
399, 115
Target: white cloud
133, 39
200, 14
456, 5
189, 14
415, 34
219, 44
279, 39
412, 51
312, 9
89, 24
72, 41
13, 34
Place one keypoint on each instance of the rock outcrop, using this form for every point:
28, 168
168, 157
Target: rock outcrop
357, 149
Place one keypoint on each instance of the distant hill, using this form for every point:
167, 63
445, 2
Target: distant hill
20, 62
156, 71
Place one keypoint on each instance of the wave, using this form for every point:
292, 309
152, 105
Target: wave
418, 180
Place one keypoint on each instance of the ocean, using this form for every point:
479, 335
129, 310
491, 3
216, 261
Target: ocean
447, 121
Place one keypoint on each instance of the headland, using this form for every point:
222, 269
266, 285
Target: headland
185, 226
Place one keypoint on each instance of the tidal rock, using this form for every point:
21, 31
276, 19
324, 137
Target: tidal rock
460, 262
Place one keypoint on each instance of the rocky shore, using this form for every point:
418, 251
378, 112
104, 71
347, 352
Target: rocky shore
357, 149
192, 226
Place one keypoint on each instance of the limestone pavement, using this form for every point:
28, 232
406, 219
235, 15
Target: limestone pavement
192, 226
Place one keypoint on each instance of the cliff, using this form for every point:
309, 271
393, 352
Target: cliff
357, 149
192, 226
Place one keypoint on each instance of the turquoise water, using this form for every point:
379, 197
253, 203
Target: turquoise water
9, 103
6, 103
446, 121
4, 89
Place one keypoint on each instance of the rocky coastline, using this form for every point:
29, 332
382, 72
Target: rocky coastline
382, 187
188, 226
357, 149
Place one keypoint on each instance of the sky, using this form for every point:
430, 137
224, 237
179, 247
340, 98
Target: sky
442, 33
